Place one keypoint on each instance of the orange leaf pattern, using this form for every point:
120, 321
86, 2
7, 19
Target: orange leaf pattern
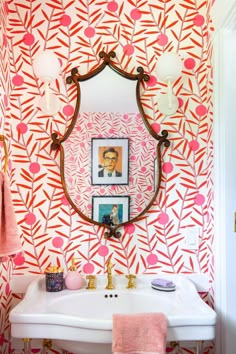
139, 32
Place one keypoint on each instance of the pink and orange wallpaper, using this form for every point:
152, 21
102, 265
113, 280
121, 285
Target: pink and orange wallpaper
139, 32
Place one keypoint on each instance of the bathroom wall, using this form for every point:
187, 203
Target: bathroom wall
5, 263
139, 31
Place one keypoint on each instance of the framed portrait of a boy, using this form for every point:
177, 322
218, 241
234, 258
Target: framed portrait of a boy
111, 210
110, 161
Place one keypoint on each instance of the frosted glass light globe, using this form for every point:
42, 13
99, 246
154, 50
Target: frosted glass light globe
46, 66
169, 67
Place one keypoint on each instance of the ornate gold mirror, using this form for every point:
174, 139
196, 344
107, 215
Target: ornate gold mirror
110, 160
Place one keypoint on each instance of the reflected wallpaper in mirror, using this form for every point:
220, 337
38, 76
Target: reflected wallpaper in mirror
79, 162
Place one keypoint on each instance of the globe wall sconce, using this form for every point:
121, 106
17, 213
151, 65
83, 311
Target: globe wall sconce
46, 67
169, 69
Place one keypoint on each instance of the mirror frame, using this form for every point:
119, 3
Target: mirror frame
57, 141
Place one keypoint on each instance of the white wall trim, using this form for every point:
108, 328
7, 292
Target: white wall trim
224, 14
219, 153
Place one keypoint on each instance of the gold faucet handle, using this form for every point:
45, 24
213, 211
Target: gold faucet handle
131, 281
91, 282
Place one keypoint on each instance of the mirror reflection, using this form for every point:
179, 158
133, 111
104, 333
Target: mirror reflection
111, 162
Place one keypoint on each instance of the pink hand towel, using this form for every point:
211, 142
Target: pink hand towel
142, 333
9, 236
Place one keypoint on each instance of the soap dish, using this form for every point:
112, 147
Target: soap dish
162, 288
163, 285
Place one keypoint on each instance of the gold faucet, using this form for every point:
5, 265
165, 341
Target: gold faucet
91, 282
110, 285
131, 281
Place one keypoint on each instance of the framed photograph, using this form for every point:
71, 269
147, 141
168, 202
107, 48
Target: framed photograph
111, 210
110, 161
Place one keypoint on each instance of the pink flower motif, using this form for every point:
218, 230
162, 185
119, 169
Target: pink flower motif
139, 196
149, 188
103, 251
156, 127
22, 128
132, 158
163, 218
88, 268
167, 167
143, 169
112, 6
139, 209
180, 101
19, 260
65, 20
162, 40
128, 49
57, 242
189, 63
199, 199
34, 167
68, 110
194, 145
89, 32
198, 20
152, 259
17, 80
28, 39
30, 219
129, 228
152, 81
125, 116
135, 14
131, 179
65, 201
201, 110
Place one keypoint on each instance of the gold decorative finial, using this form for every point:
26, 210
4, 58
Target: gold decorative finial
110, 285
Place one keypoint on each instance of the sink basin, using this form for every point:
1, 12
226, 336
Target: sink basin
97, 306
80, 321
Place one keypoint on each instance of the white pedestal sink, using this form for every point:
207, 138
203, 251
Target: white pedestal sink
80, 321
